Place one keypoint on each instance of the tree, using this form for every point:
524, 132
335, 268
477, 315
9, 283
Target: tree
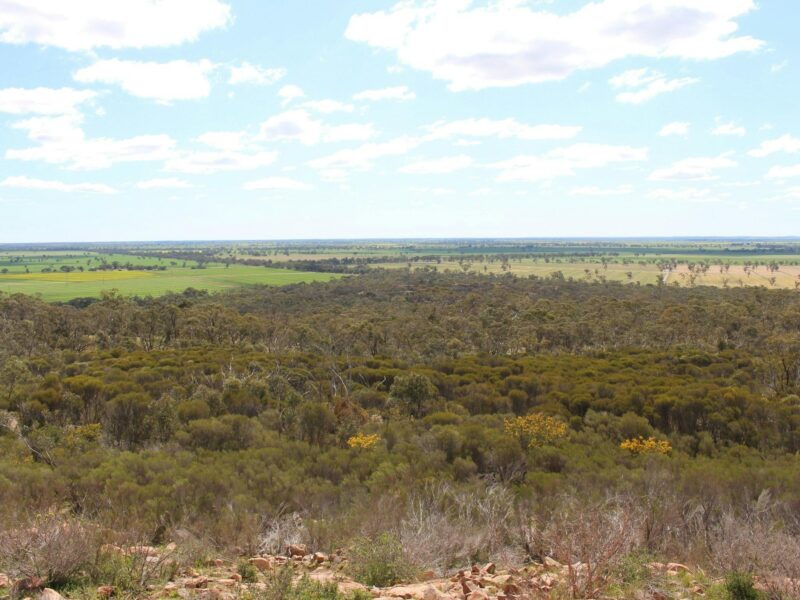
414, 391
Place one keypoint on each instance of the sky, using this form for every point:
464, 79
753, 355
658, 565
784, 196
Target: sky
309, 119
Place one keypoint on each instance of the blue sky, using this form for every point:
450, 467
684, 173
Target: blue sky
221, 119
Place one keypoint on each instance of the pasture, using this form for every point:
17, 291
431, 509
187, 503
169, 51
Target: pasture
62, 276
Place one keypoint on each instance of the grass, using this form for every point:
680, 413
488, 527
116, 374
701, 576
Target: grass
25, 276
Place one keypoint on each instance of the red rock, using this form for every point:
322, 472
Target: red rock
297, 550
105, 591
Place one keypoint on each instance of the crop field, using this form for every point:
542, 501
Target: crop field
62, 276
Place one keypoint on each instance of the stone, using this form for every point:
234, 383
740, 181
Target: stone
49, 594
297, 550
319, 557
5, 581
260, 563
105, 591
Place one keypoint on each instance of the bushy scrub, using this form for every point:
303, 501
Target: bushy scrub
739, 586
379, 561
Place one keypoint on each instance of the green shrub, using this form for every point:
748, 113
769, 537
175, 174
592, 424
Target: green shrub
379, 561
248, 571
739, 586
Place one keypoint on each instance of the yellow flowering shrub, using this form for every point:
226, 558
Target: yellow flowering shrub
650, 445
536, 429
363, 440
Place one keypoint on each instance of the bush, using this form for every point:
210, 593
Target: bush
379, 561
739, 586
248, 571
279, 586
53, 546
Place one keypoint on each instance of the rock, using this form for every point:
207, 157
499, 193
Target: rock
349, 586
677, 567
478, 595
490, 568
228, 582
5, 582
319, 557
195, 583
236, 577
48, 594
427, 575
552, 563
297, 550
260, 563
105, 591
143, 551
218, 562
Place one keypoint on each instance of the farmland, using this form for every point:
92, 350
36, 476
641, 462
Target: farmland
63, 272
62, 275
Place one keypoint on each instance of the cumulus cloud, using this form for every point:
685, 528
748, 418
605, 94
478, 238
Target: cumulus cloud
288, 93
565, 162
61, 140
364, 156
166, 183
298, 125
42, 100
645, 84
675, 128
501, 128
328, 106
48, 185
499, 44
591, 190
447, 164
728, 128
162, 82
784, 172
694, 169
277, 183
216, 162
86, 24
686, 195
248, 73
400, 92
786, 143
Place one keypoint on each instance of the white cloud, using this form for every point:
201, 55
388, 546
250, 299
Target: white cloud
564, 162
501, 128
675, 128
56, 186
60, 140
728, 128
87, 24
434, 191
43, 101
778, 67
171, 183
224, 140
365, 155
215, 162
694, 169
290, 92
786, 143
328, 106
276, 183
784, 172
448, 164
298, 125
686, 195
163, 82
511, 43
253, 74
400, 92
646, 84
622, 190
350, 132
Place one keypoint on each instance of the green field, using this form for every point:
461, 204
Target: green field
39, 273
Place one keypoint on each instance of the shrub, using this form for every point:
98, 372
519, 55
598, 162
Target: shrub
248, 571
363, 440
536, 429
53, 546
739, 586
379, 561
650, 445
